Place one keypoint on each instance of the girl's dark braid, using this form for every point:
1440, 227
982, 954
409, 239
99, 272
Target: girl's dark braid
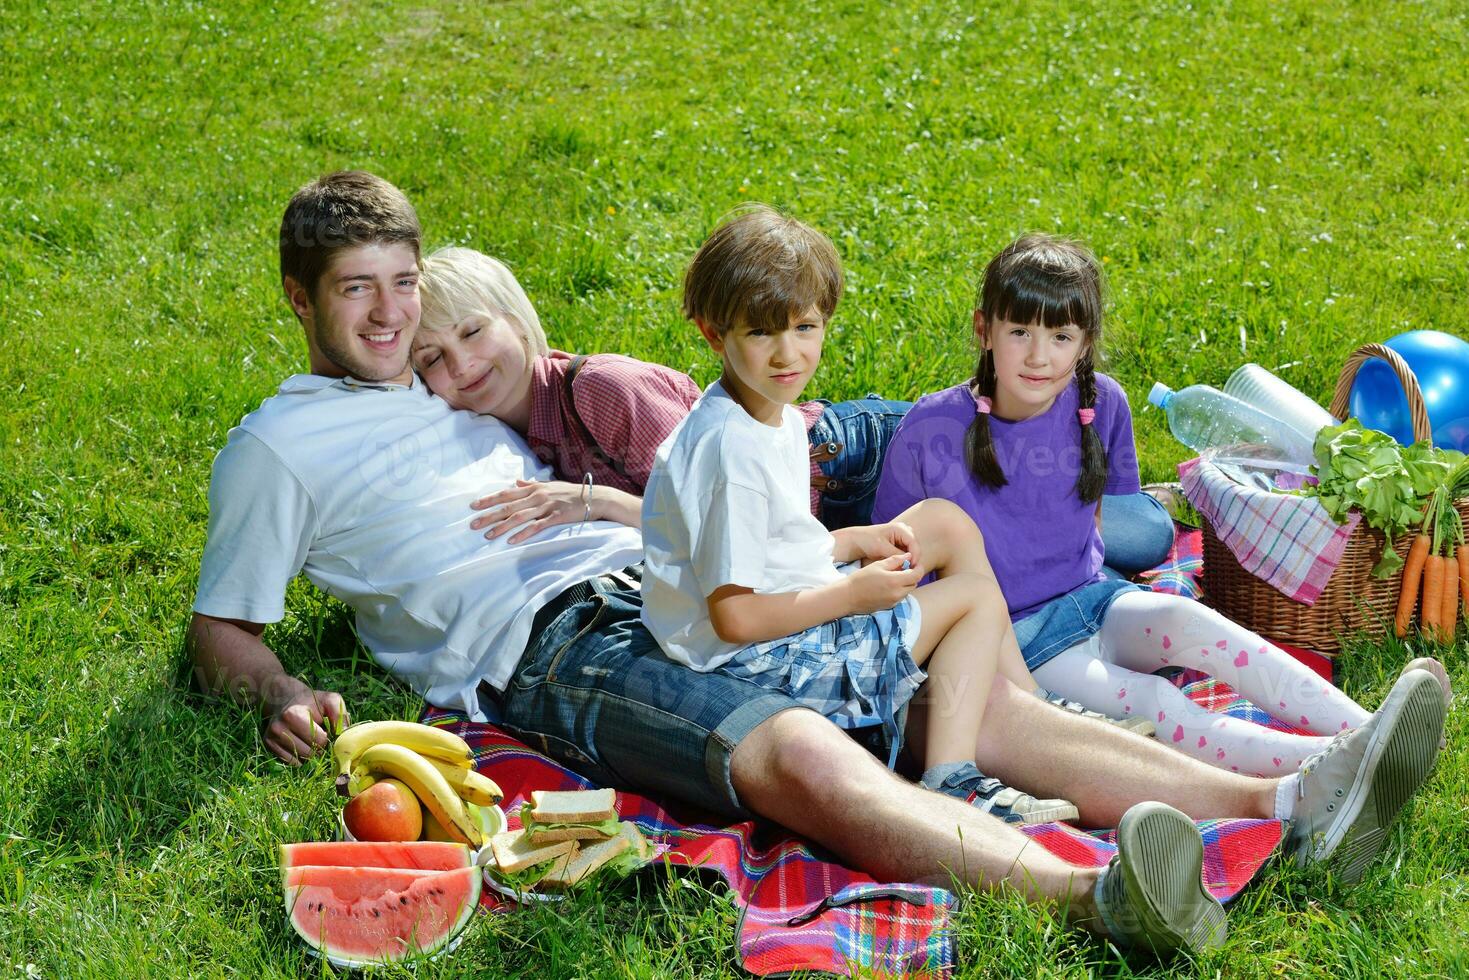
979, 447
1093, 476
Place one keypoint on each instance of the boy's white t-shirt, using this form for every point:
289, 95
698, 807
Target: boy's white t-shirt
728, 503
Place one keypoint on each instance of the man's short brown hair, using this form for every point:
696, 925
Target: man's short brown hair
760, 267
339, 211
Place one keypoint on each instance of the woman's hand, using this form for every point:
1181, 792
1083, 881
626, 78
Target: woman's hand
531, 506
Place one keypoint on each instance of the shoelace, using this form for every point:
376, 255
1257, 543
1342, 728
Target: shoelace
1312, 761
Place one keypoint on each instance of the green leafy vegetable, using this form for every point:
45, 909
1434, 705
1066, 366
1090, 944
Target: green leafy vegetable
1366, 470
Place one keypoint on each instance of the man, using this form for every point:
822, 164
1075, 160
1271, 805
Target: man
359, 478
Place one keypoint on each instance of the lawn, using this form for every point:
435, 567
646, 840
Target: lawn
1267, 182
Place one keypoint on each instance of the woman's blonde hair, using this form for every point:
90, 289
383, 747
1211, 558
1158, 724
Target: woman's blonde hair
460, 282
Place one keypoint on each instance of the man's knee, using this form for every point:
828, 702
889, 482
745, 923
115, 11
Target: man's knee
800, 756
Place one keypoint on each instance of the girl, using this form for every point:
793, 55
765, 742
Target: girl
598, 420
1029, 447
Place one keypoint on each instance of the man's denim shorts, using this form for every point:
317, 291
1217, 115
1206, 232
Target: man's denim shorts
595, 692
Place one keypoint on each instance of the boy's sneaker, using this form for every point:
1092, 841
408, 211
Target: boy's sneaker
1350, 792
987, 793
1152, 894
1138, 726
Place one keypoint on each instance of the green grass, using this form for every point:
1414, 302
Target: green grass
1265, 182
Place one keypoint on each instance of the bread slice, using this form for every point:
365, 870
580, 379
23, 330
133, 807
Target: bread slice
583, 806
640, 844
586, 862
540, 835
513, 852
589, 859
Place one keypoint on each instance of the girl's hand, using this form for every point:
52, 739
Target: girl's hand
882, 584
531, 506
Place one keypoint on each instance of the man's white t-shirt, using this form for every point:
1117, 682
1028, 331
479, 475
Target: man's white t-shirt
728, 503
366, 489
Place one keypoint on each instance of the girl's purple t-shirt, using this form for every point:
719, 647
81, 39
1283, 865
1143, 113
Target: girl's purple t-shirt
1041, 539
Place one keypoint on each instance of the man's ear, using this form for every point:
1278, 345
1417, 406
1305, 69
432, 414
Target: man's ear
298, 296
714, 338
981, 329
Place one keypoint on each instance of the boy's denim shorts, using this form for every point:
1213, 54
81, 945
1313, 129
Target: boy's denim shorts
594, 691
860, 431
1067, 620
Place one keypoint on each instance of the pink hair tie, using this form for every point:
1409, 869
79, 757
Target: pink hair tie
981, 405
1087, 415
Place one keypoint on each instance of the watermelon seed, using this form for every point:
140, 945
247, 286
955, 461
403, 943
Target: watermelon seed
403, 900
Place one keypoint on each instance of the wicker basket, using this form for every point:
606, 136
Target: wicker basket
1352, 599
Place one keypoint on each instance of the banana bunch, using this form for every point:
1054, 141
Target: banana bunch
437, 765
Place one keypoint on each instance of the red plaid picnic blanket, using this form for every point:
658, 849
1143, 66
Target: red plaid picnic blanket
800, 910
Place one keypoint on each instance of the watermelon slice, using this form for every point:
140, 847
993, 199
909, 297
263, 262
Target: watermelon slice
424, 855
362, 916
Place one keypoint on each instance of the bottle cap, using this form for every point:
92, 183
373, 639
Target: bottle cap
1161, 395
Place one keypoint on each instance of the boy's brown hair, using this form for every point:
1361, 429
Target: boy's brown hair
758, 268
339, 211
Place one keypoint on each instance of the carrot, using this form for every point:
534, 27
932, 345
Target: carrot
1408, 591
1464, 577
1432, 595
1448, 617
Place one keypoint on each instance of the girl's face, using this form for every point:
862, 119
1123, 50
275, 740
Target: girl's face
1033, 364
481, 364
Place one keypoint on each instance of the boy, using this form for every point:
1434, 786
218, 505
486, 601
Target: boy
741, 578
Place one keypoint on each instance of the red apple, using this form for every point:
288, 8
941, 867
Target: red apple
385, 811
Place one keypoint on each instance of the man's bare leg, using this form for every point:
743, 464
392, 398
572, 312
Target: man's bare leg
1101, 768
801, 771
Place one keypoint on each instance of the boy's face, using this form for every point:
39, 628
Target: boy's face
768, 369
363, 315
480, 363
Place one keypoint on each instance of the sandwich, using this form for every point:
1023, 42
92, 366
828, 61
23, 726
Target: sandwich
520, 863
624, 852
587, 815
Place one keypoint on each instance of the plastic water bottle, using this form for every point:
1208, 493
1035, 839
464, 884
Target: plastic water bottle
1250, 445
1260, 389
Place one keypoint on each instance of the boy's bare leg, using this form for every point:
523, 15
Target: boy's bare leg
950, 543
958, 647
804, 773
1101, 768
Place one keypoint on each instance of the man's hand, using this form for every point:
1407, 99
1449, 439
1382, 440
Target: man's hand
296, 722
882, 584
533, 504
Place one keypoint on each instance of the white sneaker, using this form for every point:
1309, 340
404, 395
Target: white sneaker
1351, 791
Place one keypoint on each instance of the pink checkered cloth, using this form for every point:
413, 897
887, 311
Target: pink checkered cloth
1288, 541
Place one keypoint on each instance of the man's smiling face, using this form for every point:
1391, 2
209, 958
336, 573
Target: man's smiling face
362, 318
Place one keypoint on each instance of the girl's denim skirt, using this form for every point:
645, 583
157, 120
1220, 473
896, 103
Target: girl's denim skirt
1067, 620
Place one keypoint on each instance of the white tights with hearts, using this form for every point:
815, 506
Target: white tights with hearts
1143, 631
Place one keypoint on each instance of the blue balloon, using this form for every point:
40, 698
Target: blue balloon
1441, 363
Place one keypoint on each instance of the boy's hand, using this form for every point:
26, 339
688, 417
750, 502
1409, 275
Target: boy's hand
533, 504
881, 541
882, 584
296, 725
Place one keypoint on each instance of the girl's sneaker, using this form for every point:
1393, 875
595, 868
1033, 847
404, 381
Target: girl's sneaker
1442, 676
965, 782
1138, 726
